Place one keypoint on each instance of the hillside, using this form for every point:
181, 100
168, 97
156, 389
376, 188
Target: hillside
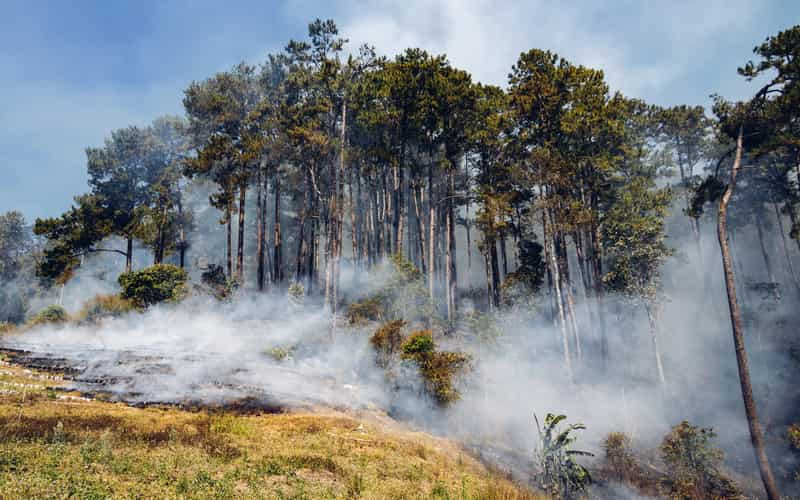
57, 444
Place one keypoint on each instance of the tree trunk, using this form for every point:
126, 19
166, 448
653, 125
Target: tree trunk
562, 323
229, 242
756, 435
129, 256
431, 234
653, 319
789, 265
450, 264
260, 230
240, 241
764, 253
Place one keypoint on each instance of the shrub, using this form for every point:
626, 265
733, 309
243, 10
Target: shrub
105, 306
215, 279
558, 472
50, 314
693, 464
279, 353
619, 456
370, 309
6, 327
386, 341
297, 293
437, 368
418, 344
158, 283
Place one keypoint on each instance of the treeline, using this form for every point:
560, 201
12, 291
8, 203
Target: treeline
563, 185
395, 154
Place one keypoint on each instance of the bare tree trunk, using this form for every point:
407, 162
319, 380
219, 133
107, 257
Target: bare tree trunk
494, 274
756, 435
764, 252
229, 242
562, 323
240, 242
277, 273
260, 230
129, 256
450, 264
653, 319
786, 253
431, 234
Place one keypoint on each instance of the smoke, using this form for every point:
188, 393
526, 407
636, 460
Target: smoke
264, 349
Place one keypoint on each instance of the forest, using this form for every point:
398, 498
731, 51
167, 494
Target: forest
549, 247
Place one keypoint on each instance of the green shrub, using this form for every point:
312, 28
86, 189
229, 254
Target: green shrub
418, 344
158, 283
386, 341
558, 472
279, 353
438, 369
105, 306
215, 279
693, 464
50, 314
297, 293
370, 309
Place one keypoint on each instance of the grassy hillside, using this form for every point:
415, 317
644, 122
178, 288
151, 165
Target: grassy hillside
56, 445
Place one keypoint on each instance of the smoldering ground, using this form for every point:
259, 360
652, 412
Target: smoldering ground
268, 349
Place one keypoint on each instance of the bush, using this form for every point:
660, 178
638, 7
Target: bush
297, 293
215, 279
438, 369
386, 341
155, 284
418, 344
619, 456
6, 327
105, 306
693, 464
370, 309
50, 314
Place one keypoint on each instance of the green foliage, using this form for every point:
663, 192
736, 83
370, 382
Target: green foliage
155, 284
558, 472
694, 464
438, 369
369, 309
387, 340
105, 306
50, 314
297, 293
708, 191
280, 354
418, 345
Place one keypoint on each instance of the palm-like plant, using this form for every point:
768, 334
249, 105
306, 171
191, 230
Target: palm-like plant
558, 472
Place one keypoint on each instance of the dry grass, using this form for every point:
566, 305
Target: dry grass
55, 445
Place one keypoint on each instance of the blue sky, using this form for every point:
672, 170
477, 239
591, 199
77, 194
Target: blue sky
70, 72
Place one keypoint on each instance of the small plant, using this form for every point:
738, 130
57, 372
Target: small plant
558, 472
297, 293
155, 284
386, 341
693, 463
105, 306
6, 327
279, 353
369, 309
50, 314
